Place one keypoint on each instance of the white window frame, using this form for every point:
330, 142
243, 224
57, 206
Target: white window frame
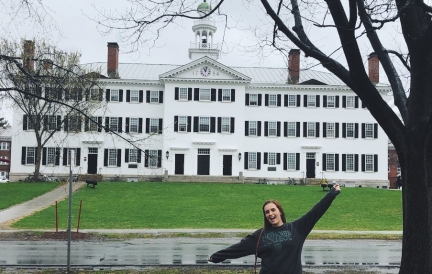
68, 155
253, 99
93, 126
253, 128
113, 124
204, 94
226, 95
154, 96
133, 125
272, 129
330, 162
311, 129
30, 155
182, 123
30, 124
350, 127
52, 122
51, 156
252, 160
133, 155
311, 100
271, 158
4, 146
350, 102
369, 163
291, 161
183, 94
331, 129
204, 124
154, 125
134, 96
292, 100
225, 124
292, 129
112, 157
114, 95
153, 158
369, 130
94, 94
331, 101
74, 123
272, 100
350, 162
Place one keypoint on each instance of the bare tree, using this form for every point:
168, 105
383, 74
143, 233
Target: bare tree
349, 21
51, 89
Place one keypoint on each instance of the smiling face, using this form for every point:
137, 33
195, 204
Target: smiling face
273, 215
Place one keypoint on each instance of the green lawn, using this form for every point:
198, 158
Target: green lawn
16, 193
207, 205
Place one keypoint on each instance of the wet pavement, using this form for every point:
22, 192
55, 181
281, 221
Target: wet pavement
189, 251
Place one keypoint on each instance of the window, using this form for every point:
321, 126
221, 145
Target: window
182, 123
52, 122
4, 162
30, 155
253, 131
350, 130
74, 123
311, 129
330, 162
93, 124
272, 129
369, 162
226, 95
252, 160
204, 124
68, 155
253, 99
204, 94
271, 159
291, 131
330, 130
292, 100
134, 96
291, 161
183, 94
114, 95
225, 124
113, 124
350, 162
31, 121
331, 101
112, 157
133, 125
154, 125
311, 100
369, 131
51, 156
95, 94
154, 96
4, 146
350, 101
133, 155
153, 158
272, 100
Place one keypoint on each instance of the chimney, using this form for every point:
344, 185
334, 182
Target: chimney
293, 66
373, 64
28, 55
113, 58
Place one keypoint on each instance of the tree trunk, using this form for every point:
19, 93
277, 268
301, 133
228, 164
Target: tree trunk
38, 158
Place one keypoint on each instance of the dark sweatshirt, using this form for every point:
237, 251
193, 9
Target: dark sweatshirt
280, 247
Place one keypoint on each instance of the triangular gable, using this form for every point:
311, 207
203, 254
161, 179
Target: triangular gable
205, 68
312, 82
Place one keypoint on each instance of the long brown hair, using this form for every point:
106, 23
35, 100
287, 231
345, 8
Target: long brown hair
278, 205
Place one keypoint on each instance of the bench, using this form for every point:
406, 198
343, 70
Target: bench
91, 183
326, 185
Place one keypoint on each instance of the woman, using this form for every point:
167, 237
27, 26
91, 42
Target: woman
279, 244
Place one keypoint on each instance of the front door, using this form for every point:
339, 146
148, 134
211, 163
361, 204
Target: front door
203, 161
92, 160
310, 165
179, 164
227, 165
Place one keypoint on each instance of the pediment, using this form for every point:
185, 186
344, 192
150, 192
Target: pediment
204, 69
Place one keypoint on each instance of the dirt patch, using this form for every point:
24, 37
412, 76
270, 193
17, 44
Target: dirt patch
47, 236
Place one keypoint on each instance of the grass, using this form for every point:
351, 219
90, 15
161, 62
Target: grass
16, 193
207, 205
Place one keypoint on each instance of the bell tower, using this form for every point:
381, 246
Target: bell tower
204, 30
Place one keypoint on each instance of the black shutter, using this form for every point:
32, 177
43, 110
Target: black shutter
363, 127
298, 100
278, 130
107, 95
126, 155
375, 130
147, 126
65, 156
99, 121
362, 162
259, 128
160, 125
344, 101
285, 100
175, 123
285, 129
265, 158
105, 157
78, 157
376, 162
259, 99
246, 159
247, 99
258, 160
147, 96
119, 157
57, 159
219, 94
279, 100
213, 94
246, 128
44, 152
190, 94
120, 95
297, 161
146, 157
343, 130
317, 103
304, 129
139, 156
59, 121
213, 124
356, 130
285, 164
265, 128
160, 96
278, 158
196, 124
337, 101
176, 93
305, 101
86, 123
189, 123
232, 95
343, 162
324, 162
140, 125
317, 129
324, 101
297, 129
219, 124
23, 155
336, 162
337, 130
159, 164
119, 125
66, 124
106, 124
356, 103
266, 100
141, 96
45, 122
196, 94
24, 122
232, 125
127, 125
356, 162
127, 95
324, 129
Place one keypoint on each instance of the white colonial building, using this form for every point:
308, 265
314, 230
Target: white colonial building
204, 121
